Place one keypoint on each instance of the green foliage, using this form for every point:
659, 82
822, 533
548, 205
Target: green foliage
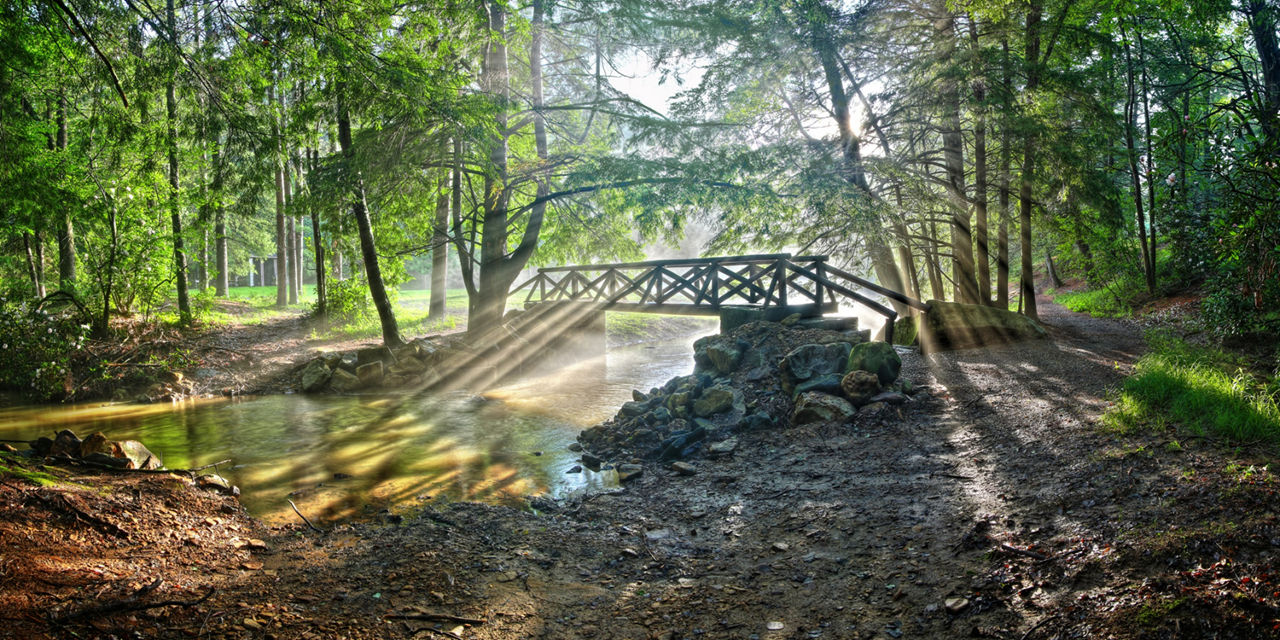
348, 301
36, 349
1100, 303
1197, 389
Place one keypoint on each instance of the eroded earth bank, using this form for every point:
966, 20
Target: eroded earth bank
980, 500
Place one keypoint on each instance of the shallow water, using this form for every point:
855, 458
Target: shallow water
347, 456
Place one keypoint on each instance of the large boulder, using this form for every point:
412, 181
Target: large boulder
138, 455
717, 353
812, 361
879, 358
316, 375
860, 386
370, 374
65, 444
816, 407
952, 325
716, 400
343, 381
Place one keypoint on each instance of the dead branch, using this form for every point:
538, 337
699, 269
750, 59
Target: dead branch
64, 501
1008, 548
304, 518
434, 617
106, 467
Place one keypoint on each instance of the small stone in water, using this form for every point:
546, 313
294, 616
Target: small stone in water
774, 626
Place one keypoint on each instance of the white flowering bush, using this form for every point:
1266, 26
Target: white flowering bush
37, 349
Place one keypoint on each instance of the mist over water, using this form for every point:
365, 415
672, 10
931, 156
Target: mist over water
349, 456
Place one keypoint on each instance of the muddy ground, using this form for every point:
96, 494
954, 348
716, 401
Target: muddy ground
992, 505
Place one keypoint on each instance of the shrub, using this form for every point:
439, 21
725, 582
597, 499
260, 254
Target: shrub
348, 301
36, 350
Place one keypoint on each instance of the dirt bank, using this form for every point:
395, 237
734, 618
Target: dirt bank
989, 506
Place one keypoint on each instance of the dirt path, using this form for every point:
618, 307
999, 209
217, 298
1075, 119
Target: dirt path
990, 506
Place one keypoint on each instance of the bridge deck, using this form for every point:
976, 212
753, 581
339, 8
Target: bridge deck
705, 286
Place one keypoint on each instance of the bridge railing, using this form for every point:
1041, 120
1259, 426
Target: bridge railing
688, 285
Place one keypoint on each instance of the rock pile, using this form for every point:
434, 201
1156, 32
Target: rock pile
414, 364
761, 375
96, 449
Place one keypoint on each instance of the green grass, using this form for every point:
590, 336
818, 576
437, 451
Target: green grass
1200, 390
1100, 303
258, 305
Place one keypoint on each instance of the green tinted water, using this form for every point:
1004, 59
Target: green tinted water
339, 457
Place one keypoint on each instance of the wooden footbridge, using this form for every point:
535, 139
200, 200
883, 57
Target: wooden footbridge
776, 285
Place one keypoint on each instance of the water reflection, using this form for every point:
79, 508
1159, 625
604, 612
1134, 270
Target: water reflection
338, 457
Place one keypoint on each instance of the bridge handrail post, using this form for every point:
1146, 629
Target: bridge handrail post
781, 277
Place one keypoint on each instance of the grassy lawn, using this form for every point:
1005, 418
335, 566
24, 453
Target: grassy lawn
256, 305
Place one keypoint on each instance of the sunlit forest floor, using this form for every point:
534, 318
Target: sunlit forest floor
994, 505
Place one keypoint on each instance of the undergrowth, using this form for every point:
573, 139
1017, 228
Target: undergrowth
1099, 303
1204, 391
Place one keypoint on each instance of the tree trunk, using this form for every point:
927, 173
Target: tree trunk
933, 265
491, 300
360, 209
851, 153
439, 255
981, 234
317, 243
102, 327
1002, 239
962, 271
1027, 299
171, 135
1150, 265
290, 246
219, 226
282, 286
1052, 271
65, 231
1130, 125
1263, 17
37, 238
36, 285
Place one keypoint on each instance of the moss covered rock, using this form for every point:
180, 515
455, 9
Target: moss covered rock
879, 358
952, 325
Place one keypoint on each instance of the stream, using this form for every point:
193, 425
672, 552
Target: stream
341, 457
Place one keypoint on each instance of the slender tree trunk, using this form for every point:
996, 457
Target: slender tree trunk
37, 238
219, 226
36, 285
962, 270
290, 246
360, 210
1050, 268
317, 243
282, 256
1150, 169
103, 328
1002, 239
66, 231
1130, 126
933, 265
439, 255
1028, 287
175, 212
981, 233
